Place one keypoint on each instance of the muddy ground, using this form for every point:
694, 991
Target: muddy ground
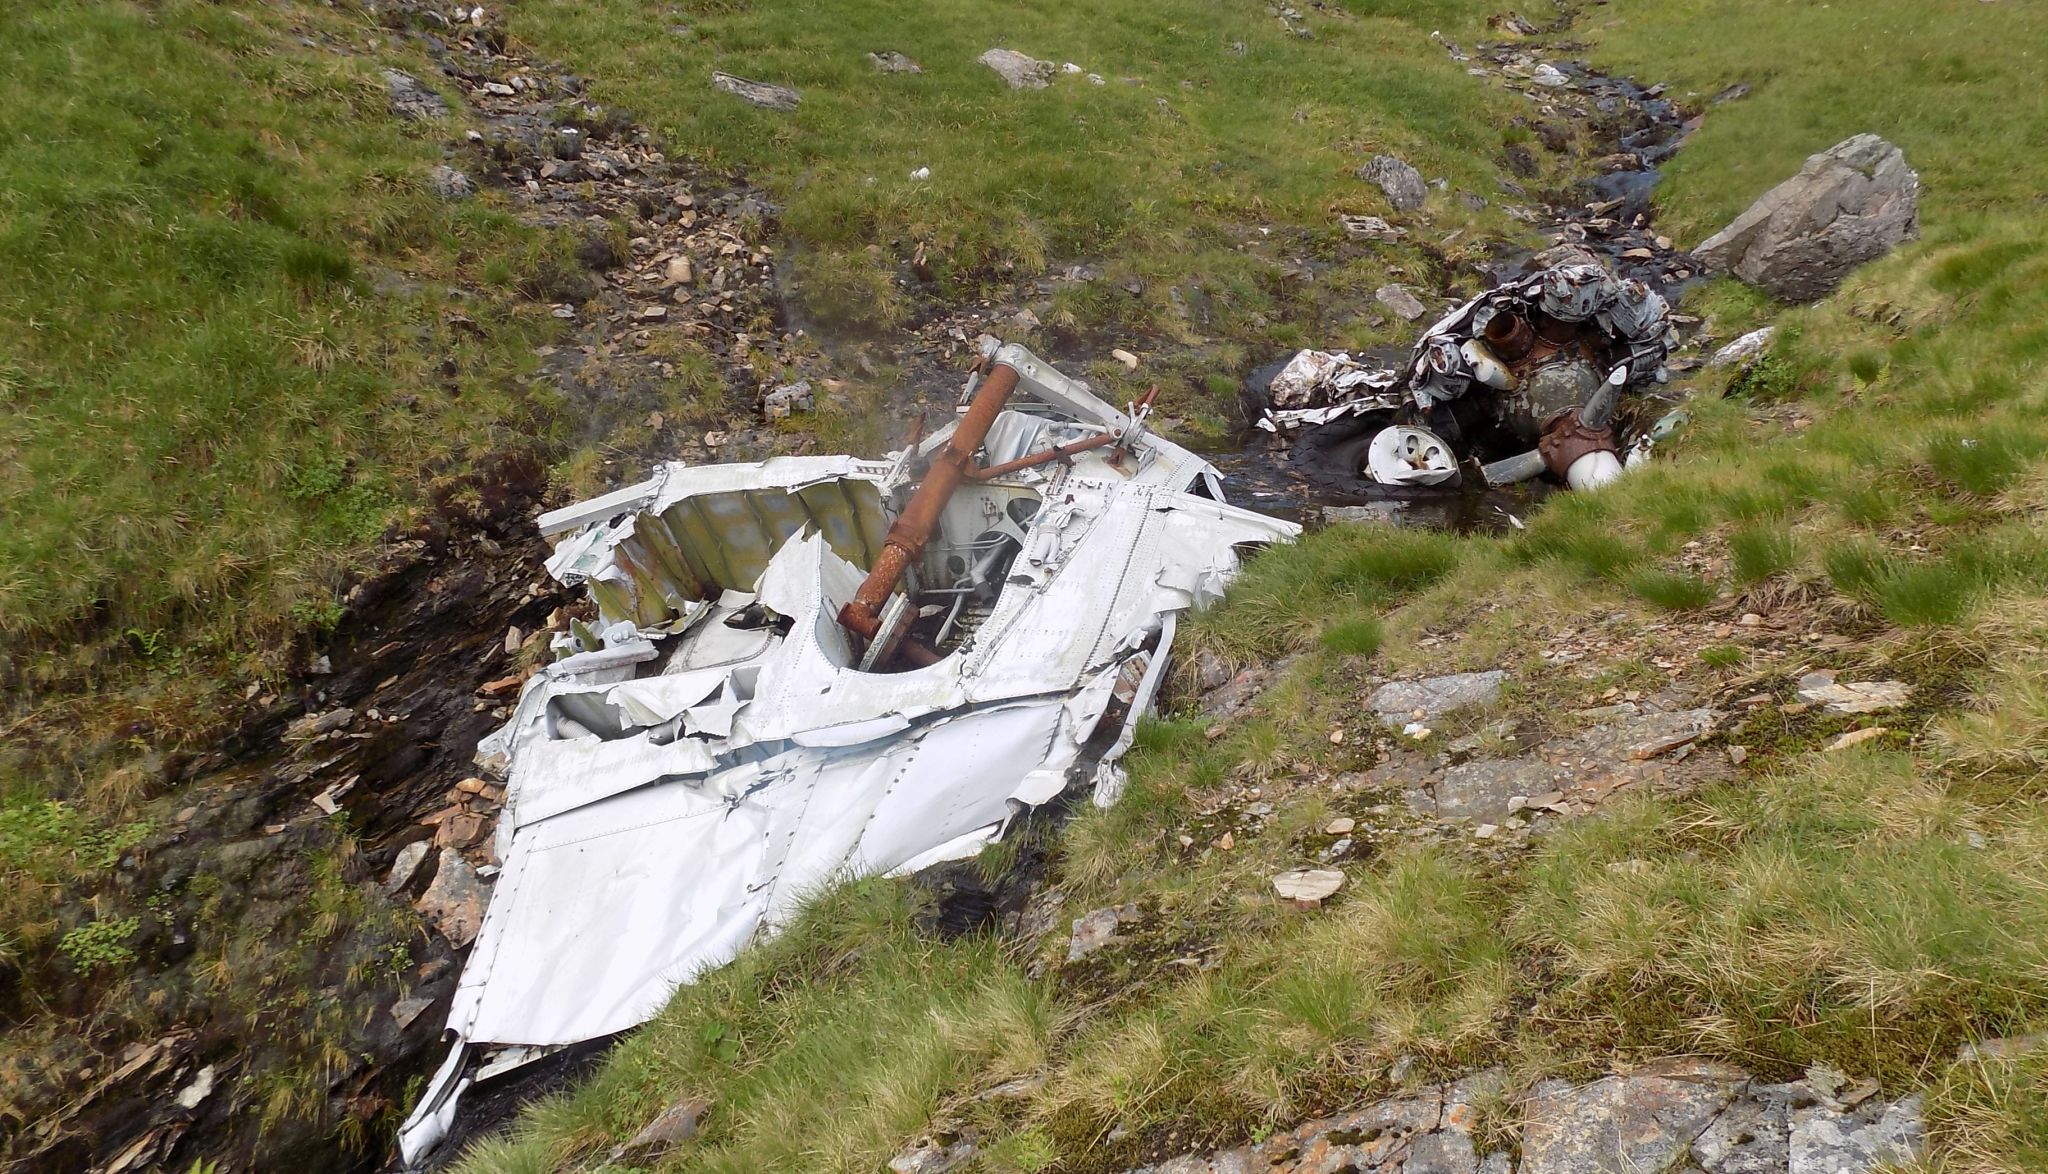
326, 784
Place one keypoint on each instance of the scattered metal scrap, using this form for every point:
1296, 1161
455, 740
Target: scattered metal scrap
1526, 377
811, 668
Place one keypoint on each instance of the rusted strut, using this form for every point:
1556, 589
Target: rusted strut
864, 614
912, 528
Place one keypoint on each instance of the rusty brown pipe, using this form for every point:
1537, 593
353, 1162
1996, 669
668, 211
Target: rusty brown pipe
1056, 452
1062, 451
1510, 336
905, 541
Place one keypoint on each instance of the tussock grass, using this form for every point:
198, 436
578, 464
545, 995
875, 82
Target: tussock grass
1990, 1113
1759, 552
1672, 591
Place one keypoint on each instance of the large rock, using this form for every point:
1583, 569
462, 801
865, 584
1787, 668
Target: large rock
1850, 204
672, 1127
1021, 71
1398, 299
1752, 1137
890, 61
1483, 791
1397, 702
450, 184
455, 901
1859, 1141
1402, 183
1646, 1120
753, 93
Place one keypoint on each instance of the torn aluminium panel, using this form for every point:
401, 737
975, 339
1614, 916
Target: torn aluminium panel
709, 751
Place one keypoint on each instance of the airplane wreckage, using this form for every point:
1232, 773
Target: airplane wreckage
1531, 372
811, 668
808, 669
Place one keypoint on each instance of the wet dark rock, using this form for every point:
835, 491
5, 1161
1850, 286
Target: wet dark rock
412, 98
1849, 204
238, 861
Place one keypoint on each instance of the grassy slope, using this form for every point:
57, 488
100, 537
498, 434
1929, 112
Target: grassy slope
201, 384
221, 349
1869, 909
1200, 173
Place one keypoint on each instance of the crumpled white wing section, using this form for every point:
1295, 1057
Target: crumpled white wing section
603, 910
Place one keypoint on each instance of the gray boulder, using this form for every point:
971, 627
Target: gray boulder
753, 93
1402, 183
1021, 71
1849, 204
1398, 299
890, 61
450, 184
1397, 702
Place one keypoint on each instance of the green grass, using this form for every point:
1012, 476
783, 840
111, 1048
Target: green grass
1672, 591
207, 409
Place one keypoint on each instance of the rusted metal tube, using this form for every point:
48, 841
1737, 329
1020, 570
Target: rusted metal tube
1056, 452
1510, 336
905, 541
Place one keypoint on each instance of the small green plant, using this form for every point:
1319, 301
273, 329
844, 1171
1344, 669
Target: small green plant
1721, 656
1857, 567
1672, 591
317, 614
1772, 378
1354, 637
1760, 551
103, 944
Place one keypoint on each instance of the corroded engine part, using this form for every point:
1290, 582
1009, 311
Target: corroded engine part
1549, 390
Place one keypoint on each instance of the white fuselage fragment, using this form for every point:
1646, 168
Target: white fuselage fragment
690, 783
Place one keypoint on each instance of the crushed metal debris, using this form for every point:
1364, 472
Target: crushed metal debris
812, 668
1527, 376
